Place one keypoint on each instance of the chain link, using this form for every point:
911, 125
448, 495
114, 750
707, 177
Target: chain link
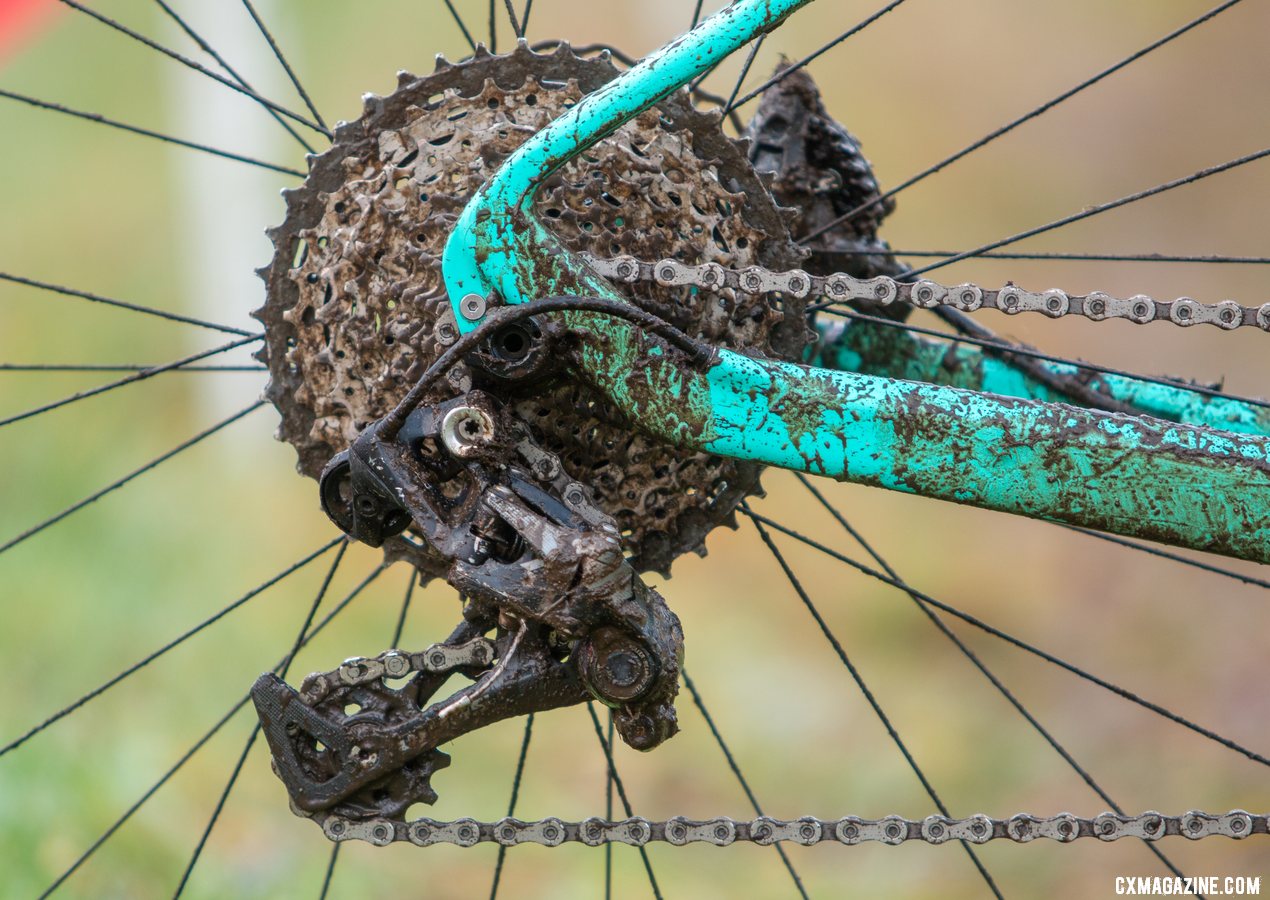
924, 294
679, 831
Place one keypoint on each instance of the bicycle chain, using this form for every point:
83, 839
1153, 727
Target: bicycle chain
722, 831
924, 294
679, 831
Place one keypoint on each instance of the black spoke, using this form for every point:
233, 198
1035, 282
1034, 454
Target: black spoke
974, 660
255, 732
864, 689
282, 60
1010, 126
405, 608
1165, 554
511, 16
186, 61
1079, 257
167, 776
524, 17
608, 816
1017, 642
696, 14
511, 804
220, 60
330, 869
144, 798
146, 132
130, 367
607, 747
130, 379
115, 485
790, 70
745, 71
493, 28
467, 35
170, 645
1019, 350
121, 304
1091, 211
741, 779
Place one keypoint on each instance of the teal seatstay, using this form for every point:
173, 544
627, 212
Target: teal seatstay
1171, 482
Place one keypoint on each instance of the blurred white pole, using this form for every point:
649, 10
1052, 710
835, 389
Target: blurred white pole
222, 207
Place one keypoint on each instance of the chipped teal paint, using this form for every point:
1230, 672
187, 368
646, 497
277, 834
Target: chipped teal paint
1146, 478
896, 354
1139, 477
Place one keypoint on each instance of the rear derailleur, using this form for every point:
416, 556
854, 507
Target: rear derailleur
553, 614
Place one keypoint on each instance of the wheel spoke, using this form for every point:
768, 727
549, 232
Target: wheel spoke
790, 70
608, 816
282, 60
1099, 209
120, 304
745, 71
143, 799
458, 19
1017, 642
130, 379
170, 645
330, 869
974, 660
167, 776
1010, 126
146, 132
607, 747
255, 732
524, 17
229, 70
864, 689
405, 608
1079, 257
186, 61
1165, 554
741, 779
115, 485
511, 804
511, 16
129, 367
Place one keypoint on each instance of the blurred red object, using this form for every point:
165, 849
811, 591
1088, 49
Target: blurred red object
21, 21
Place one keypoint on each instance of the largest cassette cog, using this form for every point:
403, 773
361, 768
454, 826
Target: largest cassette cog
356, 308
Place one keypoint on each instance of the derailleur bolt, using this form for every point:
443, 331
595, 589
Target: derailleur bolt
472, 306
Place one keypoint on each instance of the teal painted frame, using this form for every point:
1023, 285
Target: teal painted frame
996, 441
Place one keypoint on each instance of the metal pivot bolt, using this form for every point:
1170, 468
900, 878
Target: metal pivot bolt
472, 306
617, 668
464, 429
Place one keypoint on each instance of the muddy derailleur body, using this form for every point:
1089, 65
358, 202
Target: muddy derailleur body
544, 583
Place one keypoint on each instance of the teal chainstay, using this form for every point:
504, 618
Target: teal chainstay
1177, 483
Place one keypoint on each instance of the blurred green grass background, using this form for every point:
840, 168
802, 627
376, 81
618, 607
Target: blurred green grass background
134, 219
